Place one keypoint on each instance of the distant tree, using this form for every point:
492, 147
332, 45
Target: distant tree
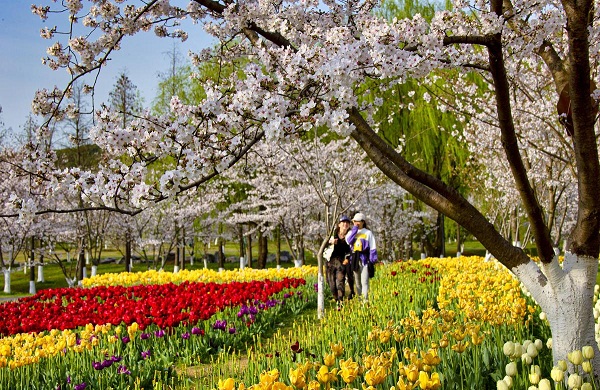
173, 82
125, 99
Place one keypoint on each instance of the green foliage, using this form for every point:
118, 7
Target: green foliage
85, 156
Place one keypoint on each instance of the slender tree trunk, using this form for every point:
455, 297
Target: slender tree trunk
262, 250
127, 252
458, 241
32, 289
278, 252
249, 250
80, 261
220, 254
241, 239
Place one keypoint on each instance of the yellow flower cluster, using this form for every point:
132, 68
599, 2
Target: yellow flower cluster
28, 348
204, 275
487, 293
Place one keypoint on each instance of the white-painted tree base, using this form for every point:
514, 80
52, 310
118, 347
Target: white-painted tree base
94, 270
40, 277
566, 295
32, 287
320, 296
7, 280
175, 269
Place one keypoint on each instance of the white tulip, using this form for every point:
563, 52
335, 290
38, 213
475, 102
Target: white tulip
544, 384
588, 352
557, 374
511, 369
562, 365
508, 348
532, 350
574, 381
575, 357
543, 316
538, 344
586, 386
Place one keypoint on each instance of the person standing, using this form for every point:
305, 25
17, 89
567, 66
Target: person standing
364, 253
336, 265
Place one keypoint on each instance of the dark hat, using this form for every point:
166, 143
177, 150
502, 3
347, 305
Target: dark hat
344, 218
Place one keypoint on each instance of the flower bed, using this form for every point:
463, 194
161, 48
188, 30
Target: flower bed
133, 337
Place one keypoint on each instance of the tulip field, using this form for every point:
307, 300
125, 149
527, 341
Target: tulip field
429, 324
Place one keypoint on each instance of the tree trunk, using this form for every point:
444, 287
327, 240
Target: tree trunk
80, 262
220, 253
241, 239
278, 251
249, 250
458, 241
262, 250
439, 244
567, 299
127, 253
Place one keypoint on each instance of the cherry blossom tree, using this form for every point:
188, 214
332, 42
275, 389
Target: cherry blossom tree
309, 59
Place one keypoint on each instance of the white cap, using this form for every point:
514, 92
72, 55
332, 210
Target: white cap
359, 217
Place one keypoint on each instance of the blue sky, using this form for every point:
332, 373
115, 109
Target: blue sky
143, 57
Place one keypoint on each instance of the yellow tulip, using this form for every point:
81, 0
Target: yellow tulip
329, 359
280, 386
297, 378
337, 349
268, 377
227, 384
314, 385
375, 376
460, 347
348, 370
431, 358
325, 376
429, 383
400, 385
412, 373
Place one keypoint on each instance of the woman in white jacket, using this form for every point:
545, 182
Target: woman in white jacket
364, 253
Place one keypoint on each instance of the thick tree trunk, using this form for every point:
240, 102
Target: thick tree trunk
567, 298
